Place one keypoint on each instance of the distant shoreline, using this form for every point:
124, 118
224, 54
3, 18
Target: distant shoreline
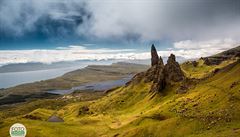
15, 78
12, 79
90, 78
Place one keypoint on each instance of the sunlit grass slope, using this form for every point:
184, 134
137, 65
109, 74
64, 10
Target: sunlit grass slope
202, 70
210, 108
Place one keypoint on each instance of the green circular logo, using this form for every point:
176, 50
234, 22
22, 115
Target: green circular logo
17, 130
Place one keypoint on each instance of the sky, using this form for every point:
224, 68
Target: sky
53, 30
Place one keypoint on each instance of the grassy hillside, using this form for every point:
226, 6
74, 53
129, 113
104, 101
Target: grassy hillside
234, 52
209, 108
204, 67
202, 70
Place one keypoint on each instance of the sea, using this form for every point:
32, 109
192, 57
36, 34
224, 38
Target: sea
11, 79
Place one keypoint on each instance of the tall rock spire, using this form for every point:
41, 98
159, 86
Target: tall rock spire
154, 55
159, 80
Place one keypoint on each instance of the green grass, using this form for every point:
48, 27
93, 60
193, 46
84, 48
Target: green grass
202, 70
210, 108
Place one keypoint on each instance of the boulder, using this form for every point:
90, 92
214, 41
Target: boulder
84, 110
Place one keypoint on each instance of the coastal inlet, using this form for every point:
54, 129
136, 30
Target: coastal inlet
95, 86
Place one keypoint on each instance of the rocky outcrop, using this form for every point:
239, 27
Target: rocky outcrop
159, 78
152, 73
194, 63
158, 74
220, 57
154, 54
206, 61
172, 70
166, 75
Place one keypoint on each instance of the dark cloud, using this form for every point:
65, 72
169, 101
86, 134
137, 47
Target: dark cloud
134, 20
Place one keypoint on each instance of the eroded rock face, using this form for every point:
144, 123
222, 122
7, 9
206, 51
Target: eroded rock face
152, 73
159, 79
155, 58
159, 74
172, 71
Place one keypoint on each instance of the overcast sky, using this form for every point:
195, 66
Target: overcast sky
122, 24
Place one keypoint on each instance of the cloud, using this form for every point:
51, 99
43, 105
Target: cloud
124, 20
182, 49
197, 49
220, 44
20, 17
70, 53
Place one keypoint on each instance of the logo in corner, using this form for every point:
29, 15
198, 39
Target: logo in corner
17, 130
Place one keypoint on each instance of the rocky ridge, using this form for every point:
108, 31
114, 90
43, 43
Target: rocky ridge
219, 58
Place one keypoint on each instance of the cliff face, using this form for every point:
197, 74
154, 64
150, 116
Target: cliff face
159, 74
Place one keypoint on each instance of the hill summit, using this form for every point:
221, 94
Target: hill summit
161, 75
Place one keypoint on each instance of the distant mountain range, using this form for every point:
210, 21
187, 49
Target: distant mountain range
21, 67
